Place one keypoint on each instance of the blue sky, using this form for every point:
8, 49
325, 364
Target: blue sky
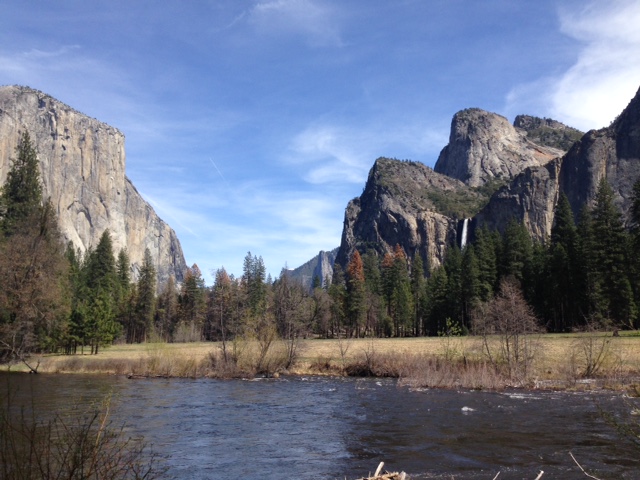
250, 124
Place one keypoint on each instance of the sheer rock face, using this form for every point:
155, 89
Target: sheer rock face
612, 152
83, 173
529, 198
484, 146
395, 208
320, 267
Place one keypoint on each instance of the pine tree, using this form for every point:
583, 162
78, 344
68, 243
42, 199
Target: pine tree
254, 279
516, 251
338, 295
453, 305
145, 301
374, 303
611, 242
100, 294
166, 317
34, 291
588, 278
356, 293
470, 285
485, 247
561, 272
21, 195
437, 301
418, 285
192, 305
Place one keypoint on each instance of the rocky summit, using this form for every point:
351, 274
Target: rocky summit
491, 172
83, 174
484, 146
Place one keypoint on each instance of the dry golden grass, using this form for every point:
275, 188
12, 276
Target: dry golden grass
558, 358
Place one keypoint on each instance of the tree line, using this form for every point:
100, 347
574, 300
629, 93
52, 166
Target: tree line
55, 298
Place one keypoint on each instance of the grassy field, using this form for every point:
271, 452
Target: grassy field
560, 360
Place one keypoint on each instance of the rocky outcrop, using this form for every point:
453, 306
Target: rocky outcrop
484, 147
403, 203
83, 173
613, 153
548, 132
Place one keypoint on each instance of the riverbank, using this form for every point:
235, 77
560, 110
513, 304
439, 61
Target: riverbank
568, 361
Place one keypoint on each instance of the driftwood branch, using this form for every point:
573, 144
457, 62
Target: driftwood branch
386, 475
580, 467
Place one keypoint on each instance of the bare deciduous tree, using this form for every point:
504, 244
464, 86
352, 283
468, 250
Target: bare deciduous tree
507, 325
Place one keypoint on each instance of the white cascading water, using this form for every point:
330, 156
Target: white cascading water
463, 237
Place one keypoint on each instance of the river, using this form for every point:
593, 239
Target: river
332, 428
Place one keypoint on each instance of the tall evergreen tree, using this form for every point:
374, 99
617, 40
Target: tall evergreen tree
516, 251
338, 295
145, 301
374, 303
470, 285
418, 285
21, 195
453, 306
356, 294
437, 301
611, 242
485, 247
166, 317
192, 306
254, 279
589, 282
34, 298
100, 295
561, 285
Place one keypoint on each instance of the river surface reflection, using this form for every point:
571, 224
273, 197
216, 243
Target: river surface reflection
332, 428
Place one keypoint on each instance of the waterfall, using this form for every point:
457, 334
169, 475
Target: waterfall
463, 237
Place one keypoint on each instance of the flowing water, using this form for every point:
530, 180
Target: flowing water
332, 428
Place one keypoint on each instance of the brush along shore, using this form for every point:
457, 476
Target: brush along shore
586, 360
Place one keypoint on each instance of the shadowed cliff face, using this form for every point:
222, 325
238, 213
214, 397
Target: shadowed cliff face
83, 173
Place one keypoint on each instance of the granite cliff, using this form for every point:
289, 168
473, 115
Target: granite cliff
83, 173
485, 147
491, 172
408, 204
612, 152
320, 267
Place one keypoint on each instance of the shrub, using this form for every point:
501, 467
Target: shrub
75, 446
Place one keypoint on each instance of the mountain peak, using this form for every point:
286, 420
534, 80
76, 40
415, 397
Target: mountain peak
484, 147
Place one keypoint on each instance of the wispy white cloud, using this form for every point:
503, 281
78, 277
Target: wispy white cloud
334, 154
314, 20
215, 224
605, 75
